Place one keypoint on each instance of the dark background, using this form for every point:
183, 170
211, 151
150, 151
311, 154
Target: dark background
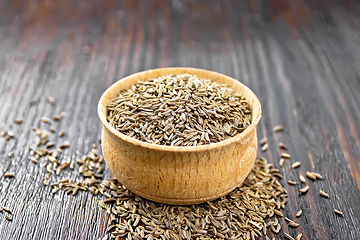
301, 58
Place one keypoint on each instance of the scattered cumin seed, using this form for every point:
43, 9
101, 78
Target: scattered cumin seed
19, 121
8, 217
281, 162
56, 117
50, 145
32, 103
86, 50
9, 175
109, 200
51, 100
282, 145
285, 155
277, 212
298, 214
338, 212
324, 194
3, 133
263, 141
61, 134
265, 147
10, 154
304, 190
11, 134
278, 175
292, 182
6, 209
302, 179
310, 175
296, 164
317, 175
278, 128
62, 114
293, 224
298, 237
46, 119
288, 236
66, 144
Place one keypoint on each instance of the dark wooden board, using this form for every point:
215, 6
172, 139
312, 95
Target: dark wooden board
301, 58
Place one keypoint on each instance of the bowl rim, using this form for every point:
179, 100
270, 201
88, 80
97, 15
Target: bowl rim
166, 148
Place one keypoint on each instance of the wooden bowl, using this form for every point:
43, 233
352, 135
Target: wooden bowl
179, 175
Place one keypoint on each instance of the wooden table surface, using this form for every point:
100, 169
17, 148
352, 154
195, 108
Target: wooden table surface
301, 58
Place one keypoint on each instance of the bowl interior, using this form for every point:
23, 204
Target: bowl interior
125, 83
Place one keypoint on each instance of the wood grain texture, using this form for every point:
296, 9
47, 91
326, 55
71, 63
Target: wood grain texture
301, 58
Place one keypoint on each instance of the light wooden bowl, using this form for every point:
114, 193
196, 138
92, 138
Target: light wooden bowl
179, 175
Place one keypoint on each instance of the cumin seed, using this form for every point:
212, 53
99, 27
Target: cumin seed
296, 164
304, 190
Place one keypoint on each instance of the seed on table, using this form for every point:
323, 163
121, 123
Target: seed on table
51, 100
86, 50
19, 121
298, 237
3, 133
282, 146
9, 175
305, 189
62, 114
292, 182
32, 103
8, 217
263, 141
50, 144
317, 175
278, 128
46, 119
61, 134
55, 190
56, 117
11, 134
281, 162
285, 155
6, 209
302, 179
277, 212
66, 144
338, 212
10, 154
278, 175
110, 199
293, 224
265, 147
288, 236
310, 175
298, 214
324, 194
296, 164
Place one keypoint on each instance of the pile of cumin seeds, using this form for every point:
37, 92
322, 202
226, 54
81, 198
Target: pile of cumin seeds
247, 212
241, 214
179, 110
